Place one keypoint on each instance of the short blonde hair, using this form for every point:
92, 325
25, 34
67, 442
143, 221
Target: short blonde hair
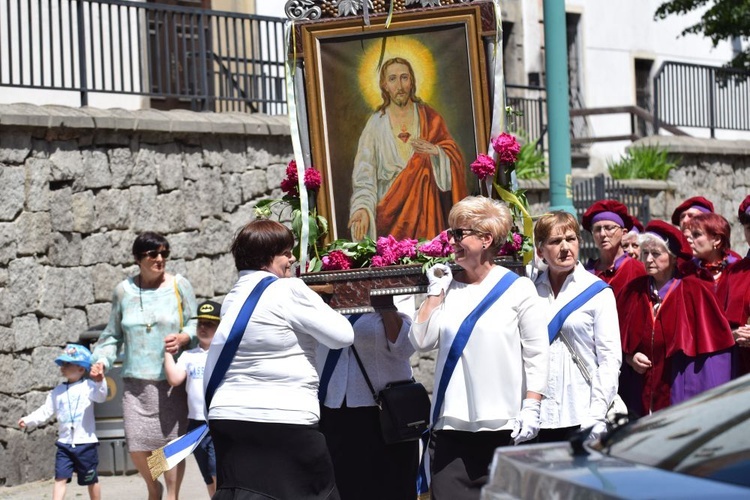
483, 214
554, 220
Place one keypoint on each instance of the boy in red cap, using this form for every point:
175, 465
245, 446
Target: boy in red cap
607, 221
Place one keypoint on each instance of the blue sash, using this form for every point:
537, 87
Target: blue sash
454, 354
178, 449
330, 365
555, 325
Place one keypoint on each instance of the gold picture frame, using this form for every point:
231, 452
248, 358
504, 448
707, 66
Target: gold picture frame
343, 60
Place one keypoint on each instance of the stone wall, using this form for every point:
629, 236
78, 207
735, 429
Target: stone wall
77, 186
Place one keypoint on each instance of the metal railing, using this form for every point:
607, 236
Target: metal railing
691, 95
531, 105
184, 57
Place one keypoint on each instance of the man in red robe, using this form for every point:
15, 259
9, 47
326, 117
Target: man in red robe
409, 170
676, 341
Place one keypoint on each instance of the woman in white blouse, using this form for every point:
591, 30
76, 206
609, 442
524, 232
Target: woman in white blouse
492, 397
578, 393
263, 416
349, 416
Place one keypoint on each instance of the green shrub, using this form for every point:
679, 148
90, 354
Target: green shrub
646, 162
530, 163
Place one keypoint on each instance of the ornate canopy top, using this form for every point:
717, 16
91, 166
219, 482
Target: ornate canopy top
311, 10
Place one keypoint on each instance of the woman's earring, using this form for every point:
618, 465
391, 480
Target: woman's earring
484, 246
544, 260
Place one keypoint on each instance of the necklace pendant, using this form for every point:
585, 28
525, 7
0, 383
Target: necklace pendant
148, 327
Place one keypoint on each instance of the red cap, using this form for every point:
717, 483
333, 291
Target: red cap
637, 226
744, 206
676, 241
607, 210
694, 202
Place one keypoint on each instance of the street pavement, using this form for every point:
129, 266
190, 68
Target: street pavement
123, 487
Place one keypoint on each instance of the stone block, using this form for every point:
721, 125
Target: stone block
79, 289
24, 285
96, 173
144, 212
211, 156
65, 249
105, 278
254, 184
121, 165
52, 292
423, 366
210, 192
12, 191
67, 161
7, 340
274, 175
111, 209
26, 332
144, 169
192, 166
15, 146
232, 191
200, 274
11, 410
257, 156
98, 314
61, 209
216, 237
171, 211
8, 242
244, 214
82, 205
6, 317
184, 245
224, 273
96, 249
167, 161
59, 332
122, 248
34, 230
192, 205
38, 174
233, 150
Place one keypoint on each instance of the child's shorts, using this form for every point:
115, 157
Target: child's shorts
83, 459
204, 454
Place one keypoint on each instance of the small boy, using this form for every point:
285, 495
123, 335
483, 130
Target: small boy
190, 367
71, 402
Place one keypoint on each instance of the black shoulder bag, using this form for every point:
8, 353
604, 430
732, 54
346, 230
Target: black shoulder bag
404, 408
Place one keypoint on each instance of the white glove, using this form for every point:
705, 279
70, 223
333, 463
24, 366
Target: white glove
598, 428
528, 421
439, 277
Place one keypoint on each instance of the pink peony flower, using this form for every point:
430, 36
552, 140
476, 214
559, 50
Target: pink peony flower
312, 179
507, 148
512, 246
378, 261
336, 260
483, 166
439, 246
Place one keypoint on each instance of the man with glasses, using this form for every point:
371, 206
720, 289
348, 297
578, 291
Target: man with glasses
608, 221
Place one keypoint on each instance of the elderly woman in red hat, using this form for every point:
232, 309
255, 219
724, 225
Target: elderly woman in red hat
676, 341
734, 294
689, 209
629, 241
608, 220
709, 236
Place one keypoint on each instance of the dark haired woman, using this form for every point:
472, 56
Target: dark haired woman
263, 415
151, 312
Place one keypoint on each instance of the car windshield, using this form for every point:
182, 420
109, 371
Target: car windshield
707, 436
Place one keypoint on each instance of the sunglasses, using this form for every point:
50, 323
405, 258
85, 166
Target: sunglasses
459, 234
153, 254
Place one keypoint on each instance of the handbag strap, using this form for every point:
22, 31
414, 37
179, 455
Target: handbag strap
330, 365
462, 337
556, 323
367, 379
235, 336
179, 302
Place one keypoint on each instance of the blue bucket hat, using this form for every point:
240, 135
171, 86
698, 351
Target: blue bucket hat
75, 354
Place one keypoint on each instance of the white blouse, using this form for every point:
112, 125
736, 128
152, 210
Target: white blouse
272, 377
384, 361
593, 331
505, 356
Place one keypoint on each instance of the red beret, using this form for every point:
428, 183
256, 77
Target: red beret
695, 201
744, 206
637, 226
676, 241
615, 208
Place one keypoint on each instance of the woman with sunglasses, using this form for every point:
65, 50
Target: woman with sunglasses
490, 395
152, 312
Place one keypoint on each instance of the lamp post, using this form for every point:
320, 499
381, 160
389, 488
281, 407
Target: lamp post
558, 112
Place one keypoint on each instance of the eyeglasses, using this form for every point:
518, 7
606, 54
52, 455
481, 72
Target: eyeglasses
153, 254
458, 233
608, 230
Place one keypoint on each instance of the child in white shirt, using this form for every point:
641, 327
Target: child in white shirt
189, 367
72, 403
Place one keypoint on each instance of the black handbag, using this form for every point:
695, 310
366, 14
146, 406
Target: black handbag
404, 408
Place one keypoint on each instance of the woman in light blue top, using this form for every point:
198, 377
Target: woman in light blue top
152, 312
